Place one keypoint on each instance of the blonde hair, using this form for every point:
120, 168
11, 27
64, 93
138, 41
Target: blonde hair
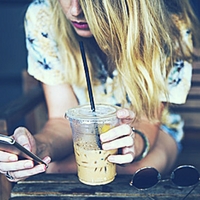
183, 16
135, 36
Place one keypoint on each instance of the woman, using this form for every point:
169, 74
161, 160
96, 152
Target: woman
138, 54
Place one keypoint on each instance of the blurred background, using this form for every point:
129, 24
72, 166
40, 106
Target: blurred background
12, 47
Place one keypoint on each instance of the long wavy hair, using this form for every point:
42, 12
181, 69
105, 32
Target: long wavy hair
137, 37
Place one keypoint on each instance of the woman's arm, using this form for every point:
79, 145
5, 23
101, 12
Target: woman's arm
55, 139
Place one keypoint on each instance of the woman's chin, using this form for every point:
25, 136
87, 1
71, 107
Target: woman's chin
84, 33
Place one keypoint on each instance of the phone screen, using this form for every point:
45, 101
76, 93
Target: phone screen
8, 144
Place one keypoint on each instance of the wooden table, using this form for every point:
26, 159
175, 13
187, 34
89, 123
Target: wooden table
65, 186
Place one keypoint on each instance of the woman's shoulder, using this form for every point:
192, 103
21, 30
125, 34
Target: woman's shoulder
38, 9
38, 17
39, 4
43, 55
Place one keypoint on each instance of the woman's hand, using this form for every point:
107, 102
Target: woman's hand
121, 137
16, 170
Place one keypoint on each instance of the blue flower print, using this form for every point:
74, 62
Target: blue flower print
176, 73
44, 64
45, 35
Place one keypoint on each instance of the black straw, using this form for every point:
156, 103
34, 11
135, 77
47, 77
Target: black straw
87, 76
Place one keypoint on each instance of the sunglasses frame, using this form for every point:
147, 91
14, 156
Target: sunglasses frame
158, 177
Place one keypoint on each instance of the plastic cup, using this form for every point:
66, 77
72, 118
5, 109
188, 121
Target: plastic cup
93, 166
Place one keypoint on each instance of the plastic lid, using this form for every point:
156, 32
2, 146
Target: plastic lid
102, 112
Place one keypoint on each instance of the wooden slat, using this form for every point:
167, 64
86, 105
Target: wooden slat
195, 90
192, 103
196, 76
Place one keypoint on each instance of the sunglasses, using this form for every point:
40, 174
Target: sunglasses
182, 176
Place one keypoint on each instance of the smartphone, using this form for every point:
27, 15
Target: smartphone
8, 144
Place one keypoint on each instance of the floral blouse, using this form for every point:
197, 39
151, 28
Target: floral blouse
44, 64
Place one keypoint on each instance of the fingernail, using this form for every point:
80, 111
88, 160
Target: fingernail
28, 164
105, 147
47, 159
111, 159
41, 168
103, 137
12, 158
121, 113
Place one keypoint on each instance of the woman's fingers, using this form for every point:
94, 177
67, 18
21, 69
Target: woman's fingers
21, 165
121, 159
24, 137
124, 158
121, 137
126, 141
117, 132
23, 174
6, 157
126, 116
128, 153
22, 169
18, 165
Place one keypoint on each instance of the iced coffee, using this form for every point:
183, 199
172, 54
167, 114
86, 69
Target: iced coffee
92, 163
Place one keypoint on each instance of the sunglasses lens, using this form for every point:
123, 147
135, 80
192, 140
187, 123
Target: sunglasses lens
145, 178
185, 176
